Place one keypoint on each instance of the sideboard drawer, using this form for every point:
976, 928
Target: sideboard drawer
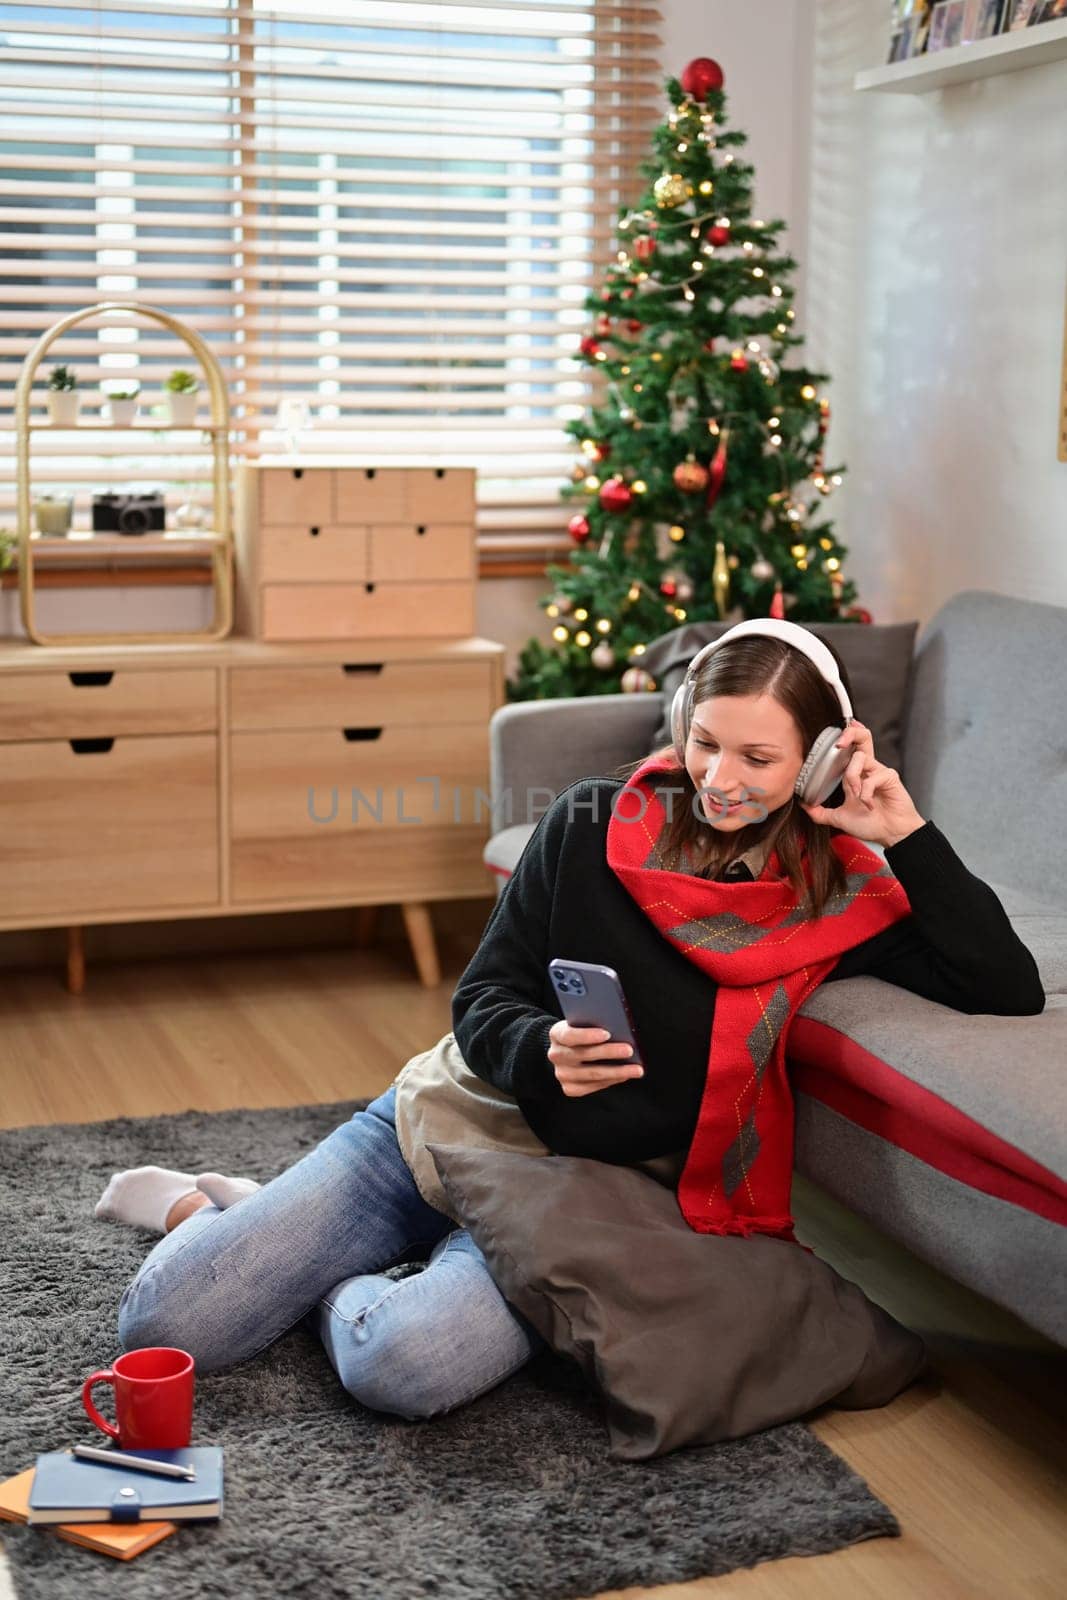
296, 494
386, 693
72, 705
128, 826
312, 552
363, 779
367, 611
359, 868
422, 549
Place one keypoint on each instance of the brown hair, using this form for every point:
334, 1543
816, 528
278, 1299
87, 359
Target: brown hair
753, 665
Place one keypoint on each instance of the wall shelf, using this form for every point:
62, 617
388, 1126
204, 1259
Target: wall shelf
1005, 52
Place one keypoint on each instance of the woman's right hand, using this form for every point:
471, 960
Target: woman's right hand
573, 1048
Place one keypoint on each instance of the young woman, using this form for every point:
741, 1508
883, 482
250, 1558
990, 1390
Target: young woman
722, 894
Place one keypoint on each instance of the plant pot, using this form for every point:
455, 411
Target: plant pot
122, 412
63, 407
183, 407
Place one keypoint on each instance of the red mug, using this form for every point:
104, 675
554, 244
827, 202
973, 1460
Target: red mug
153, 1399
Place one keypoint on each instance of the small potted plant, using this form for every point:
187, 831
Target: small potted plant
8, 545
63, 397
182, 390
121, 396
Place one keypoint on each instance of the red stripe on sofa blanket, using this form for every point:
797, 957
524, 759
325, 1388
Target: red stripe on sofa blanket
842, 1075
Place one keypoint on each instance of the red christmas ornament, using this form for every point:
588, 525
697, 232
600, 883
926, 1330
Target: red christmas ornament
701, 77
578, 528
718, 235
690, 477
644, 248
600, 452
777, 602
627, 294
589, 345
615, 495
860, 613
717, 471
633, 326
669, 588
603, 324
739, 362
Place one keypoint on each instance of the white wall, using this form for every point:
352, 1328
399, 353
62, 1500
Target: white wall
937, 264
764, 49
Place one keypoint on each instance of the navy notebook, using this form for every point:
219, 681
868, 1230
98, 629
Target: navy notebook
67, 1490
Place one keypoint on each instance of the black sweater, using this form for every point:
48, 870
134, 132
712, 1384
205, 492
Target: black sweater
563, 899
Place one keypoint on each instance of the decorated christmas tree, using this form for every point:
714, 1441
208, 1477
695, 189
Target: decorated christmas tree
701, 483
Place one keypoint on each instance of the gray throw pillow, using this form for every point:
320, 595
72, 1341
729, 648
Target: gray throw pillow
689, 1337
877, 658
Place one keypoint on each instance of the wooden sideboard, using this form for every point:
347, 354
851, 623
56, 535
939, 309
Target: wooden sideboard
151, 782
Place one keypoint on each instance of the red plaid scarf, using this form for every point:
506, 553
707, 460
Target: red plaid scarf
766, 959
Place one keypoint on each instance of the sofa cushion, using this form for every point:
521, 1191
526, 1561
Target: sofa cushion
877, 659
985, 750
689, 1337
947, 1130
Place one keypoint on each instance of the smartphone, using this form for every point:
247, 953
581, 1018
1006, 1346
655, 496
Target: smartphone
591, 996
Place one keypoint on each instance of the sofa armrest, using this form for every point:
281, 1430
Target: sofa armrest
538, 747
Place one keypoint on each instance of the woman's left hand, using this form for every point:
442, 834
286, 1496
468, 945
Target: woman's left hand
877, 807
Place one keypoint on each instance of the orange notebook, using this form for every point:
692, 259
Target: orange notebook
124, 1540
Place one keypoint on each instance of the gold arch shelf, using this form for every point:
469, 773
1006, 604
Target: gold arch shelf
218, 544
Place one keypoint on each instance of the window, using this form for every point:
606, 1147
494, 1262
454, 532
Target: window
383, 215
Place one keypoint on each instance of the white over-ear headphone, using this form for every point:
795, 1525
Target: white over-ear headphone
822, 769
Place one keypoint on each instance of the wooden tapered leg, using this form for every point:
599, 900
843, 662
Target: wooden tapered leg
423, 944
76, 960
366, 925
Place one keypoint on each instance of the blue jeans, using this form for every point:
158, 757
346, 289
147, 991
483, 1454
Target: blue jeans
315, 1242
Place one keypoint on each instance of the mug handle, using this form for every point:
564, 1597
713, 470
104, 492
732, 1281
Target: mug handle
94, 1416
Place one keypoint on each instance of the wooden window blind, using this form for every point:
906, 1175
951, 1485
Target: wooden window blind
383, 215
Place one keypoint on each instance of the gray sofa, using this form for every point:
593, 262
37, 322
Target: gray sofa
947, 1131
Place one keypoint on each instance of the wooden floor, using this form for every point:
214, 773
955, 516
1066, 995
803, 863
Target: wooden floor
972, 1461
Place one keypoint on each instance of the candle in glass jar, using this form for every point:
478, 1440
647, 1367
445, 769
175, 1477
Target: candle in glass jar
53, 514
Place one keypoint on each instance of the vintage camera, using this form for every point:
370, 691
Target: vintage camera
129, 513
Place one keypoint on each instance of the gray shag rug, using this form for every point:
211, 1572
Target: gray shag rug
513, 1497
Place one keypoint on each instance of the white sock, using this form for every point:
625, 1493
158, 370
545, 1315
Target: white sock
143, 1196
223, 1191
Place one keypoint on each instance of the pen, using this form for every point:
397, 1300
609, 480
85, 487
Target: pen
116, 1458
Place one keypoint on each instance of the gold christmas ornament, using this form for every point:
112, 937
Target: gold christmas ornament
672, 190
635, 680
720, 579
690, 477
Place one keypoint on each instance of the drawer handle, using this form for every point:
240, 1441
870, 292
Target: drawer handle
90, 747
362, 666
421, 528
314, 532
369, 588
90, 680
361, 733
